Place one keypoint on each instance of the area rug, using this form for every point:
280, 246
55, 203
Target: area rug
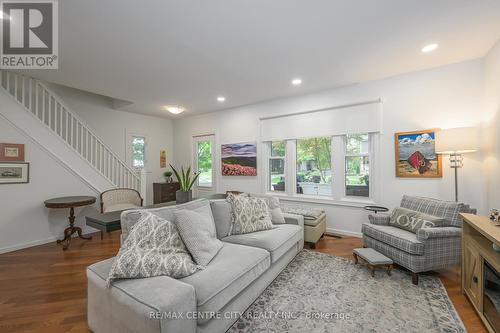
318, 292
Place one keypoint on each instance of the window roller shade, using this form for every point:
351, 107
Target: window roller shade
342, 120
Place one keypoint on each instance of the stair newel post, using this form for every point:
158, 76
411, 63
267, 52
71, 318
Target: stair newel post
143, 184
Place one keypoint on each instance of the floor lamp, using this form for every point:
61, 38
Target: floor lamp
455, 142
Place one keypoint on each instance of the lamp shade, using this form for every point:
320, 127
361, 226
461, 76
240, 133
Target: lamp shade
457, 140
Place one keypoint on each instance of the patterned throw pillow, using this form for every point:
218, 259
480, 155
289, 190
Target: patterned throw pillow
411, 220
153, 247
274, 208
249, 214
199, 235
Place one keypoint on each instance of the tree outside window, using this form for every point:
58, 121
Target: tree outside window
277, 166
357, 165
204, 154
138, 151
314, 166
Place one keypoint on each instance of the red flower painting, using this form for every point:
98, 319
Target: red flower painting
239, 159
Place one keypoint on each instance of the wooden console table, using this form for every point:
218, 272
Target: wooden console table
71, 203
478, 236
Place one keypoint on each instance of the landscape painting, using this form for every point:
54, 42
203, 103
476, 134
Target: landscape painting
14, 173
239, 159
416, 154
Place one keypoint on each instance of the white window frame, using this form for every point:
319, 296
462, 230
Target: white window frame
369, 154
339, 197
195, 140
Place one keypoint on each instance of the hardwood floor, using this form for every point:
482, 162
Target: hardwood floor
43, 289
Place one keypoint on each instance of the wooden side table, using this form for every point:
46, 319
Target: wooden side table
71, 203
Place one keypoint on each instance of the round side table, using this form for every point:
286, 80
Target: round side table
71, 203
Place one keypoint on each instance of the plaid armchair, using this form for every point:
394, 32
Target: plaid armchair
428, 249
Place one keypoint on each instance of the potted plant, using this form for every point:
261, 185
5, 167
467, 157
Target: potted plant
168, 176
186, 181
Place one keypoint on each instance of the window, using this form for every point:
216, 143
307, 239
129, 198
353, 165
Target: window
204, 161
314, 166
138, 151
357, 165
336, 167
277, 166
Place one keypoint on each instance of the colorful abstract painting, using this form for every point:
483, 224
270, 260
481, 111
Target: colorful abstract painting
416, 154
239, 159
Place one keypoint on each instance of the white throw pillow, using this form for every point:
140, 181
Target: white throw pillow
249, 214
153, 247
199, 235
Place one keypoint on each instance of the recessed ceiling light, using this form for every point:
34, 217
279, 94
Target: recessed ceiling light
430, 48
296, 82
174, 109
221, 99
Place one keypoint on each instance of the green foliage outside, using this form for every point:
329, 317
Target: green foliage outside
319, 151
138, 151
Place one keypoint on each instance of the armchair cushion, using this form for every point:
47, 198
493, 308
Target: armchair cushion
448, 210
398, 238
413, 221
379, 219
444, 232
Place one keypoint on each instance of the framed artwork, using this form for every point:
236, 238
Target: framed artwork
416, 154
14, 173
239, 159
163, 158
11, 152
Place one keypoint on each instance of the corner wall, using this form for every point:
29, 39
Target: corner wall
450, 96
492, 105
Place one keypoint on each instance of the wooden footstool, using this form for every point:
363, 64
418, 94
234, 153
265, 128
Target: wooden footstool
373, 259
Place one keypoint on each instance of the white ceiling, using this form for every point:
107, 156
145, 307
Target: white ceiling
188, 52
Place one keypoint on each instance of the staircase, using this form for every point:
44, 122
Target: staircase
50, 111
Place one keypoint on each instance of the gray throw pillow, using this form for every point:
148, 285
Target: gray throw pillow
249, 214
152, 248
411, 220
199, 235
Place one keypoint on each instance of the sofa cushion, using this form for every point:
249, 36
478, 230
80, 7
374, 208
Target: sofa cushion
153, 247
199, 235
221, 210
273, 206
249, 214
130, 217
448, 210
277, 240
398, 238
230, 271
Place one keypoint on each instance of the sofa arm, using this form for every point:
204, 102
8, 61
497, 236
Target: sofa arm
444, 232
153, 305
379, 219
294, 219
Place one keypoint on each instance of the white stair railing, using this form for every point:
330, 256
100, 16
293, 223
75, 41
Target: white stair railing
52, 112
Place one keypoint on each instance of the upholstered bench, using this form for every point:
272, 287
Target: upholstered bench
373, 259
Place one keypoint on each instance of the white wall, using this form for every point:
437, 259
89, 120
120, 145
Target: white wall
450, 96
24, 220
112, 127
492, 105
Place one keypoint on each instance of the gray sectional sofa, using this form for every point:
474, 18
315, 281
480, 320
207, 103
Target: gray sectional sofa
207, 301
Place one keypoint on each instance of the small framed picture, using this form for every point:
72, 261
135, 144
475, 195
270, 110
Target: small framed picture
11, 152
14, 173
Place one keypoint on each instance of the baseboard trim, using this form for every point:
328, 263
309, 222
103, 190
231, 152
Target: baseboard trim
26, 245
344, 232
